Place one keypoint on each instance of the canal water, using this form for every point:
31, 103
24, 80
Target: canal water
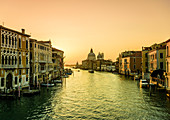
84, 96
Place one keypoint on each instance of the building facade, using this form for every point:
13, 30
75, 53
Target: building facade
41, 68
58, 66
14, 59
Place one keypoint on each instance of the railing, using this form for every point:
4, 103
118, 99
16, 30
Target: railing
9, 66
43, 71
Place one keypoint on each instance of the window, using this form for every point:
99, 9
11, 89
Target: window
6, 39
167, 53
134, 60
15, 42
2, 82
20, 80
9, 40
12, 60
3, 38
26, 44
167, 67
20, 60
27, 60
161, 55
6, 60
19, 72
16, 80
27, 71
12, 40
2, 60
35, 45
30, 55
9, 59
146, 55
27, 79
125, 60
30, 45
15, 60
161, 65
134, 66
146, 64
19, 42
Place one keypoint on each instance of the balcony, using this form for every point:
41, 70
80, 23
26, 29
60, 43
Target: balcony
43, 71
51, 69
42, 61
9, 66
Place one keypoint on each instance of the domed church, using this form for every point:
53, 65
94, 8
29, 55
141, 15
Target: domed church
96, 64
91, 55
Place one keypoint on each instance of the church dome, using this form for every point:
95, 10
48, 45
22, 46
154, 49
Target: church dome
91, 55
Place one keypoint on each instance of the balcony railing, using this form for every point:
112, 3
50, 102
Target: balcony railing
43, 71
9, 66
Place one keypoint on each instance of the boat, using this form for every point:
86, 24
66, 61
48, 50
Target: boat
143, 83
68, 71
91, 71
45, 84
64, 76
58, 81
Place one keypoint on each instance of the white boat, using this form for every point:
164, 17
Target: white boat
57, 81
91, 71
143, 83
45, 84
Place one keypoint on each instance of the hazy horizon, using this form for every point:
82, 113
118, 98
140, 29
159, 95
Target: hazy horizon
76, 26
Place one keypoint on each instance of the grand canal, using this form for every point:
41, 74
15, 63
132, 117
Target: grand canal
86, 96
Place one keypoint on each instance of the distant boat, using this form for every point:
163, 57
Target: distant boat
65, 76
68, 71
58, 81
91, 71
45, 85
143, 83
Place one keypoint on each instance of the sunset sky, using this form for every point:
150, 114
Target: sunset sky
76, 26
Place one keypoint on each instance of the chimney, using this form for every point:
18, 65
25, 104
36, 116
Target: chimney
23, 31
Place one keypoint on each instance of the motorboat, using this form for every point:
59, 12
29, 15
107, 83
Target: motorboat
143, 83
45, 84
91, 71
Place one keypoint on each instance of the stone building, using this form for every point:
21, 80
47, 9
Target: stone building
100, 64
58, 66
14, 59
90, 62
41, 68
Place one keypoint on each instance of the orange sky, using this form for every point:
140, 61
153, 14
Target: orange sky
75, 26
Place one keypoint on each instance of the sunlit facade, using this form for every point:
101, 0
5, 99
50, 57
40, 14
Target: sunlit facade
41, 61
14, 59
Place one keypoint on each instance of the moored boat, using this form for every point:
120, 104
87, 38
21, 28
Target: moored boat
45, 84
91, 71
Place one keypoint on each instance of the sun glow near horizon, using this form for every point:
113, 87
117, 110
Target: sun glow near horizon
109, 26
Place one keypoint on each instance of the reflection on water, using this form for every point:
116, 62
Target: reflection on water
90, 96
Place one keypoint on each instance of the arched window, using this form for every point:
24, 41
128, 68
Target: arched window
26, 60
20, 60
2, 60
12, 60
3, 38
6, 59
9, 40
9, 59
6, 39
15, 60
19, 42
26, 44
13, 41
